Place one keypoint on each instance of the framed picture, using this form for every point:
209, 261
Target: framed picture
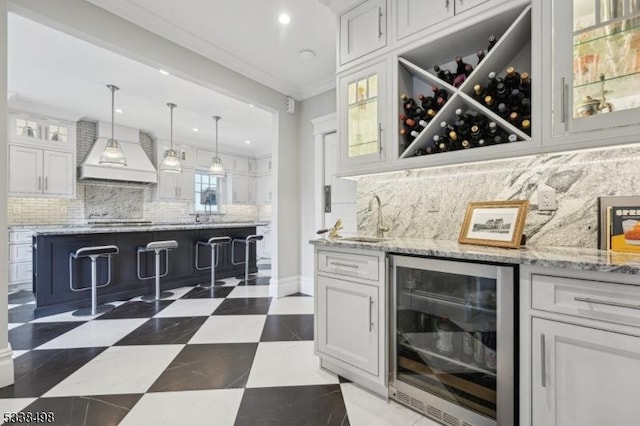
619, 224
494, 223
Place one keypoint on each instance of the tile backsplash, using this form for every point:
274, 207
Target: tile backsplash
579, 178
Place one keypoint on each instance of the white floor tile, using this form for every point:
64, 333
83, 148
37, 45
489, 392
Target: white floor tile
16, 354
118, 370
287, 364
250, 291
367, 409
13, 405
13, 325
291, 306
190, 308
94, 334
193, 408
230, 329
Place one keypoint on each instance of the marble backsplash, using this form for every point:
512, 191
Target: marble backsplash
579, 178
101, 202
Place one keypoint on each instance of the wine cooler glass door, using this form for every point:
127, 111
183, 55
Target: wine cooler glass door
449, 331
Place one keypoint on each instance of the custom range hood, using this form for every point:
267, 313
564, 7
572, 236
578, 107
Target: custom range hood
138, 168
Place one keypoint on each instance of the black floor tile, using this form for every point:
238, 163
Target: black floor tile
22, 296
293, 405
23, 313
86, 410
297, 295
255, 281
163, 331
32, 335
36, 372
244, 306
287, 327
136, 310
210, 366
208, 293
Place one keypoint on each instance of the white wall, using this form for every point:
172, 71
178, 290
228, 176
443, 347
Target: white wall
6, 363
319, 105
86, 21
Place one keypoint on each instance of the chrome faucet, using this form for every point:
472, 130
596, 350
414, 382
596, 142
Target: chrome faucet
380, 229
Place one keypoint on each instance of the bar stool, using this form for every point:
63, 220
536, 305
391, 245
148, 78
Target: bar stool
158, 247
92, 253
247, 241
212, 242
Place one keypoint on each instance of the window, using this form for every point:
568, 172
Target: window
206, 192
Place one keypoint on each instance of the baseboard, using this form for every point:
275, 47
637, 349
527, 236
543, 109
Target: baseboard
284, 286
306, 285
6, 367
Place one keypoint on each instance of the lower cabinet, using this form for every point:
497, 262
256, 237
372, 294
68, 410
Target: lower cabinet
350, 315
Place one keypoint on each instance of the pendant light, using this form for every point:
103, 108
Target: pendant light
112, 153
171, 163
216, 169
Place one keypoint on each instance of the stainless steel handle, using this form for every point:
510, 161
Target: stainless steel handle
346, 265
543, 361
380, 136
46, 183
39, 182
607, 302
379, 22
370, 313
565, 88
446, 4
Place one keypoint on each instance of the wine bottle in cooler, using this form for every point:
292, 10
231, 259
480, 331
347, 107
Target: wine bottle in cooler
444, 332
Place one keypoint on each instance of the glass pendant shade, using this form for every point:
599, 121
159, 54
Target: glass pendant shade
171, 163
112, 153
216, 169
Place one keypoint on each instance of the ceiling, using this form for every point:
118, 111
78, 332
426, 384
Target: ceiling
245, 35
68, 76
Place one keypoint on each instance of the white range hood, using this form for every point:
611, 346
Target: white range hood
138, 168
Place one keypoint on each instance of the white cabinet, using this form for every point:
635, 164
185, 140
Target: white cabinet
263, 165
362, 103
46, 132
239, 189
253, 166
363, 30
350, 312
415, 15
463, 5
252, 188
20, 258
263, 247
593, 97
177, 186
580, 347
587, 376
240, 165
264, 189
34, 171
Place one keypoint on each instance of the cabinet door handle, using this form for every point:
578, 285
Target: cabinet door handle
370, 313
446, 4
565, 106
380, 136
39, 182
46, 183
543, 361
607, 302
379, 22
346, 265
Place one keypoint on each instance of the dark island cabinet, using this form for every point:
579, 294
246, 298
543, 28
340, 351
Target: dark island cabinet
52, 268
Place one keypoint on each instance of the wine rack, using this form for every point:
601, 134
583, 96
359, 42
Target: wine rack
416, 73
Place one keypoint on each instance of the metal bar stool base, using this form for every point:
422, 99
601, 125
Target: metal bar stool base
152, 297
86, 312
208, 285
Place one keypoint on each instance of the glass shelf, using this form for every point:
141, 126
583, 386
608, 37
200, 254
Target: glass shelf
609, 30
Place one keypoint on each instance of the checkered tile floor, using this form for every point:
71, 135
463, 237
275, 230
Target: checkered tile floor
222, 356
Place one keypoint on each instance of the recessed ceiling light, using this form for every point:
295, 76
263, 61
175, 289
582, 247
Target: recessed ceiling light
307, 54
195, 129
284, 19
164, 72
247, 142
119, 111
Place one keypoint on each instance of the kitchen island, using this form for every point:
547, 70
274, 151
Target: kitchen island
52, 246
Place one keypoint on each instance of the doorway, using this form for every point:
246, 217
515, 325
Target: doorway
339, 195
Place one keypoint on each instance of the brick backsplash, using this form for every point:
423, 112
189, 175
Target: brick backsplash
45, 211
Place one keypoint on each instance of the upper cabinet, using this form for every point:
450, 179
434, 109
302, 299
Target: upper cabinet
363, 30
594, 94
45, 132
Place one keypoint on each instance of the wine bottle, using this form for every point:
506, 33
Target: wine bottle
502, 110
444, 75
488, 101
525, 125
515, 100
427, 102
460, 65
468, 69
525, 84
514, 119
479, 93
512, 138
512, 79
494, 133
430, 114
438, 92
408, 104
525, 106
494, 80
445, 333
408, 139
492, 41
465, 144
440, 101
480, 55
501, 94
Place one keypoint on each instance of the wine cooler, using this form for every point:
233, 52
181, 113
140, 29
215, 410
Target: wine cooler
452, 340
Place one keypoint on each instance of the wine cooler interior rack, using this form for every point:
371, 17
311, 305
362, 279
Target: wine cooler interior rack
416, 72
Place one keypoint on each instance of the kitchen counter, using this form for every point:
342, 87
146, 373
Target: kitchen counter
556, 257
97, 229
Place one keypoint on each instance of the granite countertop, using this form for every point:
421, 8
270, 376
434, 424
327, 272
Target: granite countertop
97, 229
556, 257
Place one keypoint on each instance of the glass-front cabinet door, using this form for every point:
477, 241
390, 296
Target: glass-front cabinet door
596, 62
362, 106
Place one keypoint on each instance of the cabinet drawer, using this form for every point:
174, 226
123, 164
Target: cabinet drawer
600, 300
18, 237
349, 264
19, 272
20, 252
